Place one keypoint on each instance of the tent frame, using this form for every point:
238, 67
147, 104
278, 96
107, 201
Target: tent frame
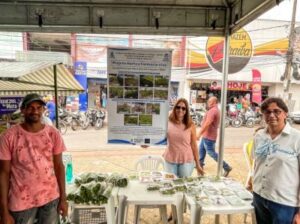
152, 17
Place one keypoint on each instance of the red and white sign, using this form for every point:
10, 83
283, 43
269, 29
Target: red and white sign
235, 86
256, 86
238, 86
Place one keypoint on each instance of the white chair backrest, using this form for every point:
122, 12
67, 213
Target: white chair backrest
150, 162
245, 150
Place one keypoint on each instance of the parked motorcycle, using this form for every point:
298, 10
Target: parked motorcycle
248, 118
233, 117
94, 118
73, 119
78, 120
197, 116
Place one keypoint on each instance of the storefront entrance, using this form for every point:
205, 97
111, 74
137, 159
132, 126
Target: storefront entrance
97, 93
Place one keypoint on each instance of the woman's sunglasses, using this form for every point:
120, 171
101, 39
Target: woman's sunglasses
179, 107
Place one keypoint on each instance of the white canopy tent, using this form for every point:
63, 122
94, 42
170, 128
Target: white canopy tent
167, 17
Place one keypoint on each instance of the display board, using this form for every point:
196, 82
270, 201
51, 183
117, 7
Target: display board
138, 93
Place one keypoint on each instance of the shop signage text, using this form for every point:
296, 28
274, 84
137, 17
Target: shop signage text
9, 104
240, 51
235, 86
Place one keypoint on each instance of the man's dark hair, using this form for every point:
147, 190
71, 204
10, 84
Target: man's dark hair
280, 103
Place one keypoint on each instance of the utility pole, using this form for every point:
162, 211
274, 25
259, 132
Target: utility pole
289, 55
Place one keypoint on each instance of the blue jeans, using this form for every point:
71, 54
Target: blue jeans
46, 214
180, 169
208, 146
268, 212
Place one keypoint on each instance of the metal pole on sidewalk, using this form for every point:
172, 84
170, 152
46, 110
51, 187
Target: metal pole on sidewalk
224, 95
290, 54
55, 96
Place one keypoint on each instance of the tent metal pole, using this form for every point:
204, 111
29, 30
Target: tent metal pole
224, 95
55, 96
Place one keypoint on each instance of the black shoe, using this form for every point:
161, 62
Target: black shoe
170, 218
226, 172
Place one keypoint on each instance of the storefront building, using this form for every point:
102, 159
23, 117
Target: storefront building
192, 72
269, 46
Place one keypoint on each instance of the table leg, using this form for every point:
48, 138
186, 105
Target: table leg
137, 212
110, 211
195, 214
163, 213
121, 209
253, 217
174, 213
179, 210
245, 218
229, 219
217, 219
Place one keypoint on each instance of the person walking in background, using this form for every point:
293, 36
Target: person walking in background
181, 155
239, 105
276, 179
103, 96
50, 105
246, 103
32, 174
209, 132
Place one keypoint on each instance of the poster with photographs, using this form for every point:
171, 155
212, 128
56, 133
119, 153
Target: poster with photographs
138, 89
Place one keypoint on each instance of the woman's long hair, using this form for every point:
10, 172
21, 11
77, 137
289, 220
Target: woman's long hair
187, 121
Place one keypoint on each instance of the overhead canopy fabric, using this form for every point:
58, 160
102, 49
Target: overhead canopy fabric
20, 78
181, 17
9, 88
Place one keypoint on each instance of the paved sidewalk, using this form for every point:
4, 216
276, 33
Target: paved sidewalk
91, 153
122, 161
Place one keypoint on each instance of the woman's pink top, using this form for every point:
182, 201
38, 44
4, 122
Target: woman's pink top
179, 148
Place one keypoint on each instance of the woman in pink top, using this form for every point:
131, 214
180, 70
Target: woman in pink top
181, 154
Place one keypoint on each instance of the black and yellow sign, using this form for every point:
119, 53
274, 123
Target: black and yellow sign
240, 51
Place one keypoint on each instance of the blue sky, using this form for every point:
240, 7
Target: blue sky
283, 11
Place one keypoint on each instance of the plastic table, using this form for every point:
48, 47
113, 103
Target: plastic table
197, 210
136, 194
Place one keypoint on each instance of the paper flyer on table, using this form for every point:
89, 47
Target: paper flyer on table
138, 93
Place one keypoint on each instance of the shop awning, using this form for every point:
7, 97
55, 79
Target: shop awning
20, 78
10, 88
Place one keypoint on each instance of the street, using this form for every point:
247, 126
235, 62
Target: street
93, 140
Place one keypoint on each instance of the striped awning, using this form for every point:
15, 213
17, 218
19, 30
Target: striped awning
11, 88
39, 80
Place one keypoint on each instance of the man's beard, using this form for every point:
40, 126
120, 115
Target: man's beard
33, 120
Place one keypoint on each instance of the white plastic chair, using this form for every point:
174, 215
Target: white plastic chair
150, 163
247, 158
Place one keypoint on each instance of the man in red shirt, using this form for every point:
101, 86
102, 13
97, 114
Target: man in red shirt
32, 174
209, 133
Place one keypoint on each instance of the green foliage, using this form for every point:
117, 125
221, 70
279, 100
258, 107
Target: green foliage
95, 188
131, 93
146, 80
131, 81
161, 94
115, 80
116, 92
123, 108
161, 81
146, 93
130, 120
145, 119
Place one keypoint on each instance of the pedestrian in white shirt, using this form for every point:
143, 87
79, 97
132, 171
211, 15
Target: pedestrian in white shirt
276, 182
